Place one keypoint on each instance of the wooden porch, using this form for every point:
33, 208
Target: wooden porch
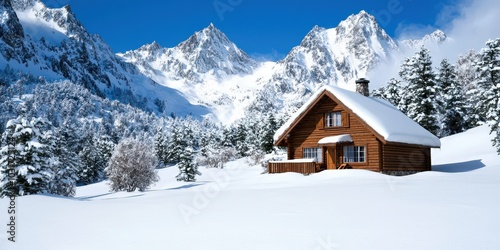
302, 166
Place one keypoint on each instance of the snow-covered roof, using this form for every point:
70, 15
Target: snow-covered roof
384, 118
335, 139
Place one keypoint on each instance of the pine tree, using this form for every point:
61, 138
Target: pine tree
489, 86
25, 161
241, 140
132, 166
67, 163
176, 144
161, 145
91, 170
451, 100
392, 93
188, 169
94, 156
467, 78
420, 96
267, 140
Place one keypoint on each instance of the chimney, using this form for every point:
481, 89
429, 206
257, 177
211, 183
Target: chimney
362, 86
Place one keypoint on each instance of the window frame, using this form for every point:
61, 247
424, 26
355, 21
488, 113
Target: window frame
333, 119
354, 154
315, 153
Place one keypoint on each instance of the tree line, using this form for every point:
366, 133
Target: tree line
55, 136
449, 99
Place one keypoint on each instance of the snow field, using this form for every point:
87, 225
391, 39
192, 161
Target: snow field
453, 207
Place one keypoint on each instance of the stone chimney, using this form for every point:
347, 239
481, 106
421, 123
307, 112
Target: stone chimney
362, 86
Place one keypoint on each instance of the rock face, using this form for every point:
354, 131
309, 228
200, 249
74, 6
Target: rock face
52, 43
11, 30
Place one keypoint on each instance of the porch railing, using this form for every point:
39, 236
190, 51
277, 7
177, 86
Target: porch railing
302, 167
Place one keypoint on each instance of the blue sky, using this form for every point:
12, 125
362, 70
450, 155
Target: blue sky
262, 28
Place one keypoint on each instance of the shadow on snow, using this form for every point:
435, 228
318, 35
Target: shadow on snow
459, 167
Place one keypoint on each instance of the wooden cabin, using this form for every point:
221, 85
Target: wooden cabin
339, 129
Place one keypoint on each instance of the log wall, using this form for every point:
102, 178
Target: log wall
312, 128
403, 157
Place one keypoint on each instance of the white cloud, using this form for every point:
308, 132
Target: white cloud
477, 22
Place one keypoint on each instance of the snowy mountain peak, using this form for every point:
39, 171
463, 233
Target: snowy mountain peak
150, 48
35, 15
21, 5
334, 56
436, 37
208, 38
362, 25
53, 43
208, 51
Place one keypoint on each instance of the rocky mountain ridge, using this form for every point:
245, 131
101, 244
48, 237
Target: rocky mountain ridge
206, 74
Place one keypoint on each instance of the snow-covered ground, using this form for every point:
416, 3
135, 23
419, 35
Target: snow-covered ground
456, 206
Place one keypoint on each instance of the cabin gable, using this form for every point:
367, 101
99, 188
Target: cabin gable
339, 129
317, 124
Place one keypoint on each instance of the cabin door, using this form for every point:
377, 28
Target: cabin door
330, 158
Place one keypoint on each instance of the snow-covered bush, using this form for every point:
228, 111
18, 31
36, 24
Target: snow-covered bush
256, 157
132, 166
216, 158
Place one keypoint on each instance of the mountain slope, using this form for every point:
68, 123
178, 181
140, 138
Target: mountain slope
52, 43
207, 68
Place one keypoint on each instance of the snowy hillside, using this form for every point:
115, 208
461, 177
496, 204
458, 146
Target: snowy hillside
207, 68
53, 44
452, 207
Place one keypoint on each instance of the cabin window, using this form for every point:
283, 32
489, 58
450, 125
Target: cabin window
354, 154
313, 153
334, 119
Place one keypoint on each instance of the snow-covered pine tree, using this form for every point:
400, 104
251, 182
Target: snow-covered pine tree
188, 169
451, 99
241, 140
91, 170
105, 147
421, 90
176, 143
489, 86
269, 128
392, 93
161, 144
68, 161
467, 79
94, 156
25, 160
132, 166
